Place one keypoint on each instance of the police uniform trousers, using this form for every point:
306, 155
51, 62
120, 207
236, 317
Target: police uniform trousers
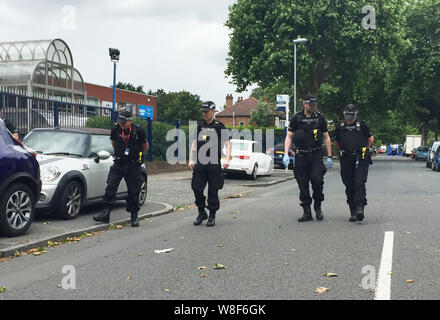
309, 167
354, 180
131, 172
212, 175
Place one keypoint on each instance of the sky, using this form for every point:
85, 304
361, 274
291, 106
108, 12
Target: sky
165, 44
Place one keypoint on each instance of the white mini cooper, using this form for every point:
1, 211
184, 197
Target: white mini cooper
74, 166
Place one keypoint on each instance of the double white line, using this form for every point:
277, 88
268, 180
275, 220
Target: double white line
383, 287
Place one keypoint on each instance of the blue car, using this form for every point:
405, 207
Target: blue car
436, 161
277, 154
421, 153
20, 185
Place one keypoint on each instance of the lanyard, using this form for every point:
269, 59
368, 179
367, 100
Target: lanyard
128, 137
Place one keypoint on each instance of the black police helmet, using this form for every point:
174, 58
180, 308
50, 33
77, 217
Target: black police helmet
310, 100
350, 112
125, 115
208, 105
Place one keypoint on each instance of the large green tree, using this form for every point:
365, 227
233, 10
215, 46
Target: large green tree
173, 106
339, 48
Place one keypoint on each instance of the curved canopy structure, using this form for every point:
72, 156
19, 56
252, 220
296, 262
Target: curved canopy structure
42, 67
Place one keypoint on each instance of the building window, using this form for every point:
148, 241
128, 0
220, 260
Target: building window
241, 123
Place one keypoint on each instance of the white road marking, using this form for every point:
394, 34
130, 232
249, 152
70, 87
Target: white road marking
383, 288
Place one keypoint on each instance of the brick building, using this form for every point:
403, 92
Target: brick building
239, 114
139, 103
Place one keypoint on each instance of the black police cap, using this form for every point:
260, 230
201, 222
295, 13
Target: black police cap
310, 99
350, 108
125, 115
208, 105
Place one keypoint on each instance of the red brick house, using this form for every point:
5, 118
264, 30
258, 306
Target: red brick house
238, 114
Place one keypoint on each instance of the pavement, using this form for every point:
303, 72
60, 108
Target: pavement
160, 187
267, 254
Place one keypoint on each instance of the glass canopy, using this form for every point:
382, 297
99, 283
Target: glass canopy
43, 67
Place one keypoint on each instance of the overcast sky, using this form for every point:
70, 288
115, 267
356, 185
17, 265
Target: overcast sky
170, 44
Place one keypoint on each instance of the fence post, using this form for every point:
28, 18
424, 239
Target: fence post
56, 114
176, 153
150, 139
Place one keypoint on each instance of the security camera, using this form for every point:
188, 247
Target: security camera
114, 54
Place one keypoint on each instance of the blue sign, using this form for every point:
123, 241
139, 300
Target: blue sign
146, 112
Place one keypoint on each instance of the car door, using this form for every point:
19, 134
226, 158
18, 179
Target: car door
260, 157
98, 171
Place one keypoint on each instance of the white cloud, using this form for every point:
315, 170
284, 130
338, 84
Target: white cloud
170, 44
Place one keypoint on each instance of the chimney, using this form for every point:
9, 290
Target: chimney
229, 101
240, 99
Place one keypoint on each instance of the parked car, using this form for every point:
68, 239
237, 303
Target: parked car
19, 185
382, 149
277, 154
75, 163
247, 158
430, 155
436, 160
421, 153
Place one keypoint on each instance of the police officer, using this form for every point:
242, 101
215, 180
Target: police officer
308, 129
10, 126
130, 143
207, 169
353, 138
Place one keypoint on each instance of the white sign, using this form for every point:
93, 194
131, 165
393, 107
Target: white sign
108, 107
282, 100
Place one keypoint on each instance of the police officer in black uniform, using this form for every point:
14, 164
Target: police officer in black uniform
207, 169
130, 143
308, 129
353, 138
10, 126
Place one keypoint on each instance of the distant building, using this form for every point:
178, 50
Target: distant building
239, 114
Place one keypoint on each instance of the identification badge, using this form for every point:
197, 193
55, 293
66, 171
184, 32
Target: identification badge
127, 151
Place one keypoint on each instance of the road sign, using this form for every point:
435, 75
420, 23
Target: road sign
282, 102
146, 112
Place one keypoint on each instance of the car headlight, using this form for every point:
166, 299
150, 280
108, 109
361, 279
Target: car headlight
50, 174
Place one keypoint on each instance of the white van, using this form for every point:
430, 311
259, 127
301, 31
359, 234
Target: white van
431, 153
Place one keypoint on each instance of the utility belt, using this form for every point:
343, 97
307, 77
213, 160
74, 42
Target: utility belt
129, 161
360, 154
303, 151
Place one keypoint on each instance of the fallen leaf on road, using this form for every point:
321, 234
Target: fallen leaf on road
220, 245
166, 290
202, 268
409, 281
58, 286
202, 275
330, 274
219, 266
128, 277
119, 226
47, 222
407, 232
235, 212
390, 273
2, 289
164, 250
372, 290
293, 250
321, 290
140, 253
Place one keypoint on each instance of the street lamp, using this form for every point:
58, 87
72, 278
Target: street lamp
295, 42
114, 56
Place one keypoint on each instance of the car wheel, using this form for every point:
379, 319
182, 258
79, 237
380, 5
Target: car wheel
71, 201
254, 172
143, 192
17, 210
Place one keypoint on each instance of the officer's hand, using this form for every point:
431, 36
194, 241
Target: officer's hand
329, 162
286, 160
191, 166
225, 165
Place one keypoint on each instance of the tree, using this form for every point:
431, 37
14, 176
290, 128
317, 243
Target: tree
173, 106
129, 87
261, 43
264, 115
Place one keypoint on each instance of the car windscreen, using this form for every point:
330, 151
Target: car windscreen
101, 143
423, 149
57, 142
240, 146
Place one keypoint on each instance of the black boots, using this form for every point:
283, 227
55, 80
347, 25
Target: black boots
211, 219
134, 219
104, 216
360, 212
202, 216
307, 216
352, 214
317, 207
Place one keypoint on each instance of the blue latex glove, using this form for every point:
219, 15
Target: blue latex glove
329, 163
286, 160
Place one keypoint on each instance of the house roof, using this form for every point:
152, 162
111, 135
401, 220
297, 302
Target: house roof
241, 109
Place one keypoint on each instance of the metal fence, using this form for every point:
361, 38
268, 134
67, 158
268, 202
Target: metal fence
29, 112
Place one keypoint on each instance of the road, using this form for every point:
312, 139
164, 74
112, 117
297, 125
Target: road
267, 253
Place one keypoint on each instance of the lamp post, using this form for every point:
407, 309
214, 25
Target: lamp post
295, 42
114, 55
